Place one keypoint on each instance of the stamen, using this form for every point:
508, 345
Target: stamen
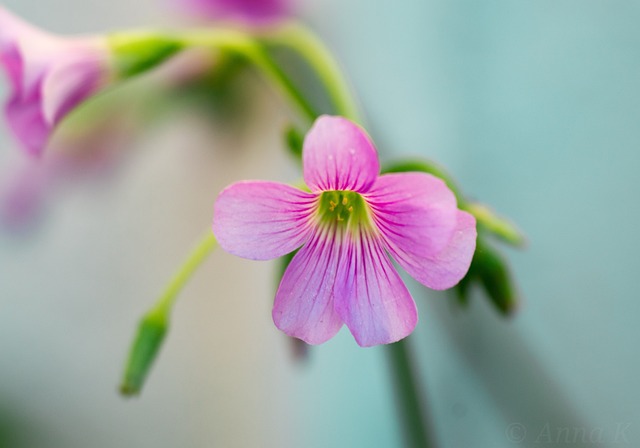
346, 209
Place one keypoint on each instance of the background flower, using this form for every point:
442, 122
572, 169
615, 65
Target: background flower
49, 76
251, 12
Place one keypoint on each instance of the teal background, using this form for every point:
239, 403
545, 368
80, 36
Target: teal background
533, 106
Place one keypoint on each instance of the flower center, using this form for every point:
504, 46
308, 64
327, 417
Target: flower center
344, 209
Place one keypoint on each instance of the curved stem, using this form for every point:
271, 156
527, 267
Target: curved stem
407, 392
306, 44
196, 258
244, 45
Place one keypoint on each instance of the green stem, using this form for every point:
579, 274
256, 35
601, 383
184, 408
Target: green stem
411, 406
196, 258
307, 45
245, 46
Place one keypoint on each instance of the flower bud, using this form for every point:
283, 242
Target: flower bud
497, 225
490, 269
151, 332
49, 76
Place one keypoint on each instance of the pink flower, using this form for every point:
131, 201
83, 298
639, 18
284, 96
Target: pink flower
250, 12
348, 225
49, 77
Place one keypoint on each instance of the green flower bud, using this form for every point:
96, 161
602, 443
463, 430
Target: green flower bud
497, 225
151, 332
492, 271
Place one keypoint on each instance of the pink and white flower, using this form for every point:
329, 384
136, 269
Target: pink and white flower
49, 76
249, 12
349, 225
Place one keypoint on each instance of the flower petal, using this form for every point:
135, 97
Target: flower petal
12, 27
371, 297
78, 73
25, 118
338, 155
414, 211
251, 12
446, 268
262, 220
303, 307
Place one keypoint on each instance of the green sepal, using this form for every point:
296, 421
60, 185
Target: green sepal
151, 333
136, 53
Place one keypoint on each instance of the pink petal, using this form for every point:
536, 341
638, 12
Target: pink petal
370, 295
303, 307
446, 268
78, 73
416, 212
262, 220
12, 26
11, 60
49, 76
338, 155
25, 118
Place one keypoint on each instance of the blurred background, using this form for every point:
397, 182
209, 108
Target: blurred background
533, 106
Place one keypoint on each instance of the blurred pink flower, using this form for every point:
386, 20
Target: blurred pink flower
250, 12
49, 76
348, 225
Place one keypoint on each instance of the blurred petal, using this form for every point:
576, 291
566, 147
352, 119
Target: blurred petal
338, 155
303, 306
262, 220
416, 212
371, 297
446, 268
251, 12
27, 123
78, 74
49, 77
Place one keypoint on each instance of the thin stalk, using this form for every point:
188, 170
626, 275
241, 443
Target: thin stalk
413, 417
307, 45
184, 274
246, 46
